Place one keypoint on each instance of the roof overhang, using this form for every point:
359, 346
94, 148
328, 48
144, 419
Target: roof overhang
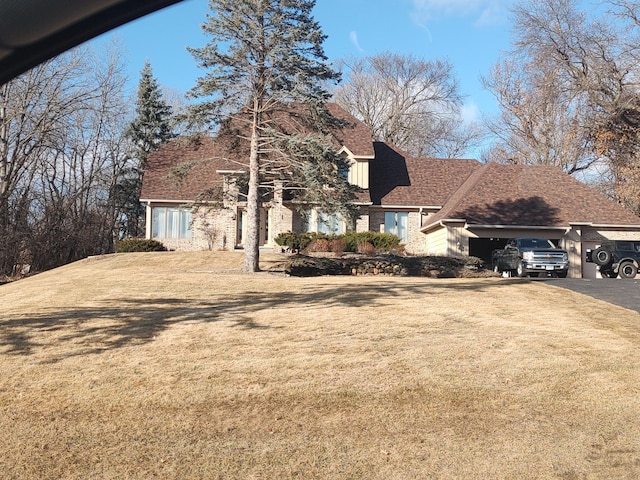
445, 222
607, 226
408, 207
515, 227
352, 156
164, 200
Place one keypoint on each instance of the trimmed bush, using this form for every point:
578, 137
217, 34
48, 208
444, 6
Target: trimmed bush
288, 240
382, 242
348, 242
337, 246
296, 242
366, 248
319, 245
139, 245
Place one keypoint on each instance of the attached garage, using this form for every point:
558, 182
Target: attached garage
501, 202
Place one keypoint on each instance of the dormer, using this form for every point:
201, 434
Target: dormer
358, 168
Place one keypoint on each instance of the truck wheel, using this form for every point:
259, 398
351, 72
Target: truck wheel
562, 273
627, 270
601, 256
520, 270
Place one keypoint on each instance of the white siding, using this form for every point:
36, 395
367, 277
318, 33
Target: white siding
437, 242
359, 173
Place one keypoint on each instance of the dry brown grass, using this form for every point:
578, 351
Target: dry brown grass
174, 366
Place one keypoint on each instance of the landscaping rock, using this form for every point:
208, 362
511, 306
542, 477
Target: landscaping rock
392, 265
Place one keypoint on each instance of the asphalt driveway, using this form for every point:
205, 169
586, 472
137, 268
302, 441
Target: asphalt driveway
625, 293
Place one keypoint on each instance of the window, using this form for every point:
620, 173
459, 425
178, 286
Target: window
319, 222
398, 224
330, 224
343, 172
171, 222
625, 246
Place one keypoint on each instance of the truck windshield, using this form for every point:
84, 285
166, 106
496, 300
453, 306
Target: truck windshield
536, 243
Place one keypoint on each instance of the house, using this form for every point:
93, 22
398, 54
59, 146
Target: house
436, 206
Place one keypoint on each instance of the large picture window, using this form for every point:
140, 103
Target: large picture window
171, 222
398, 224
330, 224
319, 222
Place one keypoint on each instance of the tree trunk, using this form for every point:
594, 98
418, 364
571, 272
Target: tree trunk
252, 239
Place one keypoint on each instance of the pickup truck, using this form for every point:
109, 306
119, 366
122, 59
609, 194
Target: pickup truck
529, 257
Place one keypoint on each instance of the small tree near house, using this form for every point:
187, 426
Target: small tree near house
263, 56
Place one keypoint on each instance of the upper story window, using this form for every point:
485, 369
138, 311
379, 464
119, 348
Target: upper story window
343, 172
171, 222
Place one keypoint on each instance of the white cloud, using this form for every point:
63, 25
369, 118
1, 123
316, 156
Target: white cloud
470, 113
353, 35
485, 12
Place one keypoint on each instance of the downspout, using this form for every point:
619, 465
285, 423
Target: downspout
149, 221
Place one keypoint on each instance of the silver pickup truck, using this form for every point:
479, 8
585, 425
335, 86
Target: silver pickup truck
531, 257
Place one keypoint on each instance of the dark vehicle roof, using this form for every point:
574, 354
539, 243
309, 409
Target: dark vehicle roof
532, 242
32, 31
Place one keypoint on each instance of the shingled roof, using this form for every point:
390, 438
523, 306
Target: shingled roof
399, 179
520, 195
204, 157
209, 155
355, 135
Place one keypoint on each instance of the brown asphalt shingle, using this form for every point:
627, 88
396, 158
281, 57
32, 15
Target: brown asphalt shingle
207, 155
530, 196
491, 194
399, 179
160, 184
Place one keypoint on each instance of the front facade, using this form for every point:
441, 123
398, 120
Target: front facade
446, 207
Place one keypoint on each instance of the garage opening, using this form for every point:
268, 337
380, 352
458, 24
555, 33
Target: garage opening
482, 247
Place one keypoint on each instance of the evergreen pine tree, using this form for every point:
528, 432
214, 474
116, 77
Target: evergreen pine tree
264, 54
151, 127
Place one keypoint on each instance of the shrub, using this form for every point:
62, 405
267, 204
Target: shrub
366, 248
304, 239
385, 242
139, 245
348, 242
337, 245
287, 239
382, 242
319, 245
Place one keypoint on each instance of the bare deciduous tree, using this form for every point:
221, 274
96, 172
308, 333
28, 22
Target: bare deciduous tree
577, 79
541, 122
61, 153
409, 102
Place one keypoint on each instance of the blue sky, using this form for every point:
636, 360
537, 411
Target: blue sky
469, 33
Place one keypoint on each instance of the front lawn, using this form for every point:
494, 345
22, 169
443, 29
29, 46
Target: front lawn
175, 366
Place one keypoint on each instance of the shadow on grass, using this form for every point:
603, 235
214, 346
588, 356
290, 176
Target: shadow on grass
121, 322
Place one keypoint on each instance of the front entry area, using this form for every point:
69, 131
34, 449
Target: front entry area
241, 227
